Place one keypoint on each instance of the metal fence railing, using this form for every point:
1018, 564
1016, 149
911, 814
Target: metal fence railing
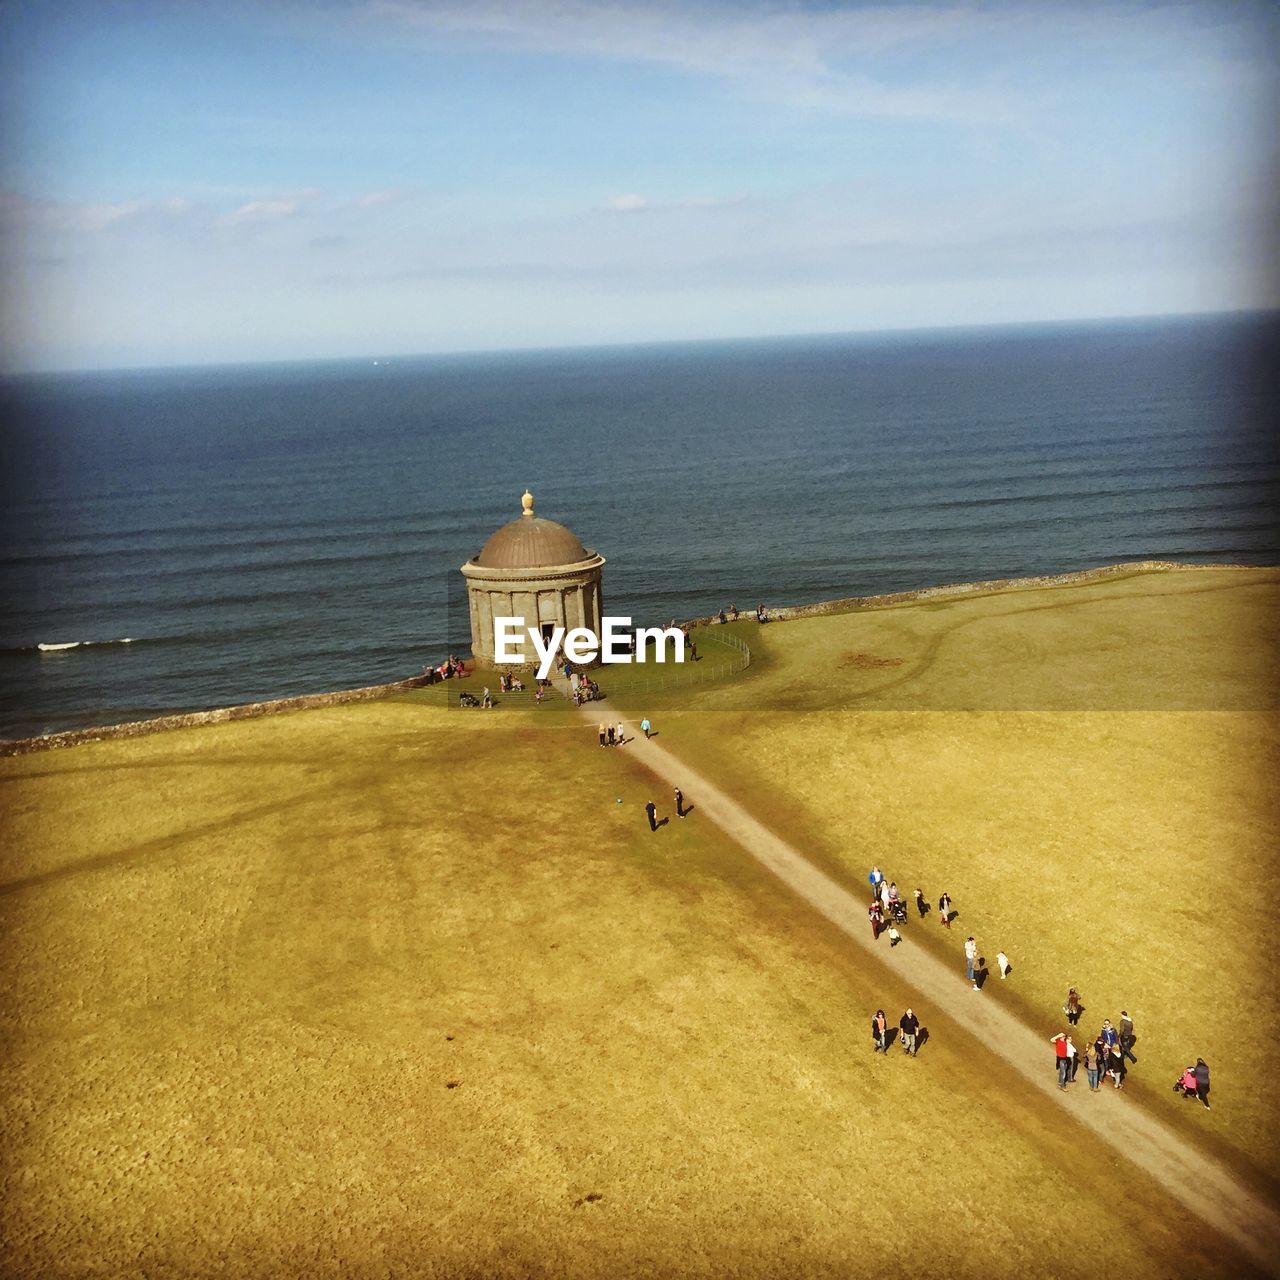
693, 673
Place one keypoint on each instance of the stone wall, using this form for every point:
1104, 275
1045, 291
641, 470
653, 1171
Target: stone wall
852, 603
189, 719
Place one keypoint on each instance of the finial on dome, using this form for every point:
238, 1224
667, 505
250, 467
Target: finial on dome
527, 503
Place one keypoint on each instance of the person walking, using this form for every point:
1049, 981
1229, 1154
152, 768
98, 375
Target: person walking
1127, 1038
1110, 1036
1202, 1082
1061, 1058
874, 878
603, 737
970, 955
609, 731
921, 905
1003, 961
645, 727
679, 803
944, 910
651, 811
622, 733
894, 936
486, 699
1092, 1070
880, 1032
1072, 1006
909, 1025
1073, 1059
873, 912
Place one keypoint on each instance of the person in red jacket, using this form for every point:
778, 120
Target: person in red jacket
1202, 1082
1059, 1043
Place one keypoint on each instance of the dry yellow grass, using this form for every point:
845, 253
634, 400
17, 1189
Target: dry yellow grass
1156, 640
1128, 852
243, 965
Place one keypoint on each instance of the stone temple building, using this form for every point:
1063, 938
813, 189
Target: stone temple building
535, 570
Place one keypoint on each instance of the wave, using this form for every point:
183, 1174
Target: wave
74, 644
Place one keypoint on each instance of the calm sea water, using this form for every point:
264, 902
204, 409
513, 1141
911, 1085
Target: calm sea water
272, 530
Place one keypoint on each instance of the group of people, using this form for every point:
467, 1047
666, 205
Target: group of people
510, 684
616, 735
888, 908
582, 688
1104, 1058
731, 614
448, 669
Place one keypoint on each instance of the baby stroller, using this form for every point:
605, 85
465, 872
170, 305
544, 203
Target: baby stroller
468, 699
1186, 1083
897, 911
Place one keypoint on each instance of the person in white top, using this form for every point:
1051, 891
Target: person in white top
970, 955
1003, 961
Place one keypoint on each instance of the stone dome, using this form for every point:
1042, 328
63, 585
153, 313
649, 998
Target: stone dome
531, 543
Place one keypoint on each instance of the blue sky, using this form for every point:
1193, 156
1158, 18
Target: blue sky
198, 183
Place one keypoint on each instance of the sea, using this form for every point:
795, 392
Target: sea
217, 535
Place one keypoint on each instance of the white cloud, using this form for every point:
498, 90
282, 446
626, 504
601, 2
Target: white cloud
801, 57
372, 199
273, 206
634, 202
628, 202
264, 211
951, 60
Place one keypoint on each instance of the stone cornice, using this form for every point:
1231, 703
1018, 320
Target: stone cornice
524, 579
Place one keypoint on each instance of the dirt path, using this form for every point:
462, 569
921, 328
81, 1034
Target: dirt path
1202, 1185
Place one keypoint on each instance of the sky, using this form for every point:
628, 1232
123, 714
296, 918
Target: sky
197, 183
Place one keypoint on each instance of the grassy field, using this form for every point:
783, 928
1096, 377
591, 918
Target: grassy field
1088, 771
392, 989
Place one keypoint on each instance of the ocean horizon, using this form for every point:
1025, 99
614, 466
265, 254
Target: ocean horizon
202, 536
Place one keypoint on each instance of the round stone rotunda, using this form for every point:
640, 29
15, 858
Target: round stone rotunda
537, 571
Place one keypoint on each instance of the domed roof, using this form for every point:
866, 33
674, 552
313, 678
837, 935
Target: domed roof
531, 543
